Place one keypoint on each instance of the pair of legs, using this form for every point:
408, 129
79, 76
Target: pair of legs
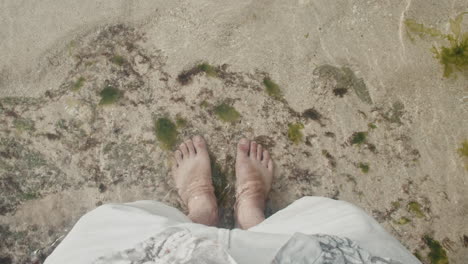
192, 175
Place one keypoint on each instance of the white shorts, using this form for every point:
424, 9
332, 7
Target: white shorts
115, 227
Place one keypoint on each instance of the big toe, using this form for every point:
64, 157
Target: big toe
243, 148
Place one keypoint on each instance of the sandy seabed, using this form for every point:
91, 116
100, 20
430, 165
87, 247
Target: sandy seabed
374, 120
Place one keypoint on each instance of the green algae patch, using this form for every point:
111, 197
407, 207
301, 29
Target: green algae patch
420, 30
371, 126
226, 113
402, 221
180, 121
437, 254
454, 56
416, 209
109, 95
295, 133
166, 133
358, 138
364, 167
272, 89
24, 124
78, 84
13, 100
396, 205
29, 196
463, 151
208, 69
204, 104
186, 76
118, 60
418, 255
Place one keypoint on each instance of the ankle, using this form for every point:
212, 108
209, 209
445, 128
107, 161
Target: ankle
251, 193
203, 209
250, 205
249, 213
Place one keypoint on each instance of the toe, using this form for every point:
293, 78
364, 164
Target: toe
174, 164
200, 144
266, 158
183, 148
259, 152
243, 147
270, 165
253, 150
178, 156
190, 147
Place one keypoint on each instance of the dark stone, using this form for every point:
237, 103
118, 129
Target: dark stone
312, 114
5, 260
102, 188
340, 92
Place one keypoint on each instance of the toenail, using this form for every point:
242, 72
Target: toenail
244, 141
197, 138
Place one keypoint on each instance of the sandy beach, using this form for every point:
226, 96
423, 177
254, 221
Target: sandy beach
348, 96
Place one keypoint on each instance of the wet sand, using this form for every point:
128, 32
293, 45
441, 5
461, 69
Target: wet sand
363, 113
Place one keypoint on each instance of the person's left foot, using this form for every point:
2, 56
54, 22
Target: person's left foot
192, 176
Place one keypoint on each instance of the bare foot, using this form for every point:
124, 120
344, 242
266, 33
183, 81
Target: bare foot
192, 176
254, 174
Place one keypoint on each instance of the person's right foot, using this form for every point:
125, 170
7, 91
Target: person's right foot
254, 174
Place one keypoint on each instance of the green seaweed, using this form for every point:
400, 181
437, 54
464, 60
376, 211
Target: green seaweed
108, 147
421, 30
24, 124
71, 46
272, 89
454, 56
78, 84
117, 59
364, 167
402, 221
437, 254
226, 113
418, 255
109, 95
166, 132
396, 205
371, 126
208, 69
358, 138
295, 133
416, 209
180, 121
61, 124
21, 101
463, 150
204, 104
29, 196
